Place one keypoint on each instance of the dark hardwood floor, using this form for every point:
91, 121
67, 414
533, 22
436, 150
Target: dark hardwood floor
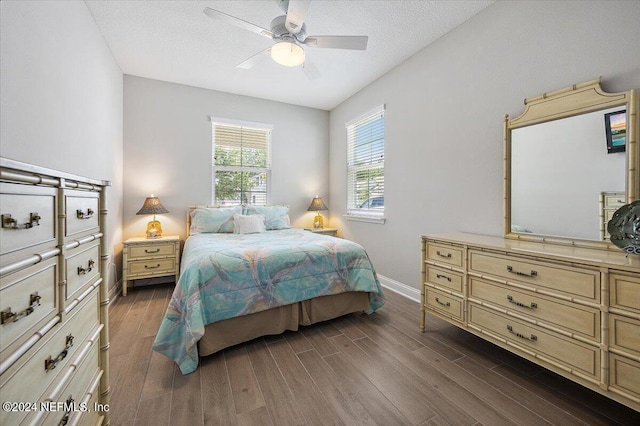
360, 369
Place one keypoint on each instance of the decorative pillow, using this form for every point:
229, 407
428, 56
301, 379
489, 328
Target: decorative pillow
275, 217
248, 224
206, 219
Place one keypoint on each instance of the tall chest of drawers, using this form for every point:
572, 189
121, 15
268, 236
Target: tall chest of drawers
54, 344
574, 311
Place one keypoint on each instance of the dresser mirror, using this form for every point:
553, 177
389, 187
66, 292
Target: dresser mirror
570, 161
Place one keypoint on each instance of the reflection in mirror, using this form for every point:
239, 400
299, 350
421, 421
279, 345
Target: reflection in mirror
559, 172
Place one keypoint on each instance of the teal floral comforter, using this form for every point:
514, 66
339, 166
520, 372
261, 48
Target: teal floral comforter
229, 275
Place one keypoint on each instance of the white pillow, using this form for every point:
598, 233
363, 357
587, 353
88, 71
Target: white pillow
248, 224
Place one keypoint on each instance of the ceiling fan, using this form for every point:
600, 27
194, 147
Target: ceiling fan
290, 35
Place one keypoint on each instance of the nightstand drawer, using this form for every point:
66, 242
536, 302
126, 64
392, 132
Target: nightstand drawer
141, 251
151, 266
614, 200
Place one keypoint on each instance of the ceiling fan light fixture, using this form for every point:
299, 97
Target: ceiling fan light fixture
287, 53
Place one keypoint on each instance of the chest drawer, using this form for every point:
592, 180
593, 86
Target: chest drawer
28, 300
565, 280
151, 266
567, 316
625, 334
82, 267
446, 304
443, 253
625, 292
20, 380
614, 200
82, 213
546, 344
28, 220
141, 251
444, 278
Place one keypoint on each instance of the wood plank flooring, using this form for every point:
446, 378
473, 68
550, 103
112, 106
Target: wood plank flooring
356, 370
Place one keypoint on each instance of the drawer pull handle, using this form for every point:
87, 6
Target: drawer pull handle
522, 274
10, 223
533, 337
82, 215
447, 256
152, 251
447, 304
50, 364
532, 305
69, 405
7, 316
152, 267
440, 276
89, 268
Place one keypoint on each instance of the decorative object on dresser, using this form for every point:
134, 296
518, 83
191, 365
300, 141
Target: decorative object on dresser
54, 338
152, 205
569, 304
317, 205
145, 258
624, 228
324, 231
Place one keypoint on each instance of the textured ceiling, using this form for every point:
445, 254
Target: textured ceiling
175, 41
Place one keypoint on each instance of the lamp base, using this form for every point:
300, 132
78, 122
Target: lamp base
318, 222
154, 229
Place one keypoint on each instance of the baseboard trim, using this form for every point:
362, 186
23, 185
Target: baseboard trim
400, 288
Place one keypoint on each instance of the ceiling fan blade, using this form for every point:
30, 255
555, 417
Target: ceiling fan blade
258, 57
338, 42
216, 14
296, 12
310, 70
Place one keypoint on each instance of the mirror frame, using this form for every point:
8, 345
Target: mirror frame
570, 101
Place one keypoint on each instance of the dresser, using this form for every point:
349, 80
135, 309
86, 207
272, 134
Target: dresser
150, 258
54, 359
324, 231
575, 311
609, 203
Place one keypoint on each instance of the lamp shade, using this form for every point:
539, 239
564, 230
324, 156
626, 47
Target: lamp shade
316, 205
152, 205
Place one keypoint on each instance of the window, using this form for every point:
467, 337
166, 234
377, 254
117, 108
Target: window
241, 162
365, 165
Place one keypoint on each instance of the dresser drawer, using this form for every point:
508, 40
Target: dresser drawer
27, 300
151, 266
82, 267
568, 316
446, 304
28, 219
572, 282
22, 381
82, 213
624, 375
141, 251
559, 349
625, 291
625, 334
444, 278
614, 200
445, 253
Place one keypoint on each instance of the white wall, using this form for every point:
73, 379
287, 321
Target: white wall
445, 109
167, 134
61, 103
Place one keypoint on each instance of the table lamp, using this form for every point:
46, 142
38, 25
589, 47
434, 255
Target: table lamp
317, 205
152, 205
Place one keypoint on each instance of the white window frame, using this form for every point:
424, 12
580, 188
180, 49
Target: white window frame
353, 213
249, 125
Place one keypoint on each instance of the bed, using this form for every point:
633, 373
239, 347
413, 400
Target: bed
235, 285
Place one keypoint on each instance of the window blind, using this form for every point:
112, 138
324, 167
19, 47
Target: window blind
365, 164
241, 163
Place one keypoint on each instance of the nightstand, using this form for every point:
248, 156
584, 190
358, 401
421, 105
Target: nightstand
150, 258
324, 231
